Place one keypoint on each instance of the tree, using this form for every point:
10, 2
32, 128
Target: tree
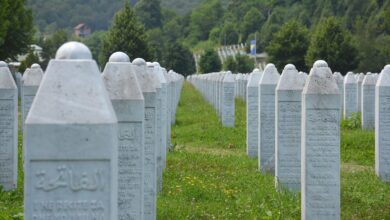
209, 62
244, 63
51, 45
94, 42
333, 43
289, 45
179, 59
230, 65
149, 13
251, 23
30, 60
127, 35
16, 28
229, 34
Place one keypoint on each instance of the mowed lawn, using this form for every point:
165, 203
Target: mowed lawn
209, 176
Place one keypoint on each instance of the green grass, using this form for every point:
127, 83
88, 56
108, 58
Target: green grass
209, 176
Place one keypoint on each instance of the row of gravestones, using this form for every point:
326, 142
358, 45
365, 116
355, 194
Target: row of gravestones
94, 144
293, 127
219, 90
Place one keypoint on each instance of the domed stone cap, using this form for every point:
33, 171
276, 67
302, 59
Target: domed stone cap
338, 77
35, 66
119, 57
320, 80
369, 79
290, 79
3, 64
73, 51
360, 77
139, 62
384, 77
350, 78
270, 75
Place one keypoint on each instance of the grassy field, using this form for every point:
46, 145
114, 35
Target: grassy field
209, 175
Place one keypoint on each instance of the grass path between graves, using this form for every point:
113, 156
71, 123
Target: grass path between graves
209, 176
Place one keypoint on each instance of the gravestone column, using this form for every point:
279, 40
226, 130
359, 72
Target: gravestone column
228, 100
149, 91
252, 111
382, 125
368, 101
340, 83
128, 102
31, 80
360, 79
8, 129
288, 129
266, 150
320, 197
350, 95
71, 142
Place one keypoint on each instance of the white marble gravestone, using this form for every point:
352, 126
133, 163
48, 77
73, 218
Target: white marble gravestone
228, 100
266, 150
31, 80
320, 177
252, 111
71, 142
149, 91
340, 83
382, 125
368, 101
350, 95
128, 102
8, 129
288, 129
360, 79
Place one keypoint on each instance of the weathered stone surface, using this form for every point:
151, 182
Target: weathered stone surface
228, 100
128, 102
31, 80
149, 91
360, 79
288, 129
8, 129
320, 198
368, 101
71, 143
382, 125
252, 111
350, 95
266, 150
340, 83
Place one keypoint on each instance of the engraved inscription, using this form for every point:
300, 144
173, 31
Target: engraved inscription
384, 139
267, 133
130, 170
70, 189
252, 121
351, 104
150, 166
7, 119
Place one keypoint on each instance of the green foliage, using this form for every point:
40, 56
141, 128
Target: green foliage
94, 43
244, 64
179, 59
51, 44
353, 122
289, 45
127, 35
229, 34
16, 28
209, 62
30, 60
333, 43
251, 23
149, 13
230, 64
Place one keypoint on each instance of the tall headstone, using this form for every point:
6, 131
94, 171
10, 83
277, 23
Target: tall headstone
71, 142
368, 101
8, 129
340, 83
149, 92
320, 197
252, 111
288, 129
128, 102
228, 100
31, 81
266, 150
360, 79
382, 125
350, 95
18, 80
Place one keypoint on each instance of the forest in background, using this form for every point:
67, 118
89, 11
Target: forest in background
200, 25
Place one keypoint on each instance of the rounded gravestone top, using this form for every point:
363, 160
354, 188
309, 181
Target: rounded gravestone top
320, 64
387, 68
35, 66
350, 78
139, 62
156, 64
119, 57
289, 67
73, 51
270, 65
3, 64
256, 70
